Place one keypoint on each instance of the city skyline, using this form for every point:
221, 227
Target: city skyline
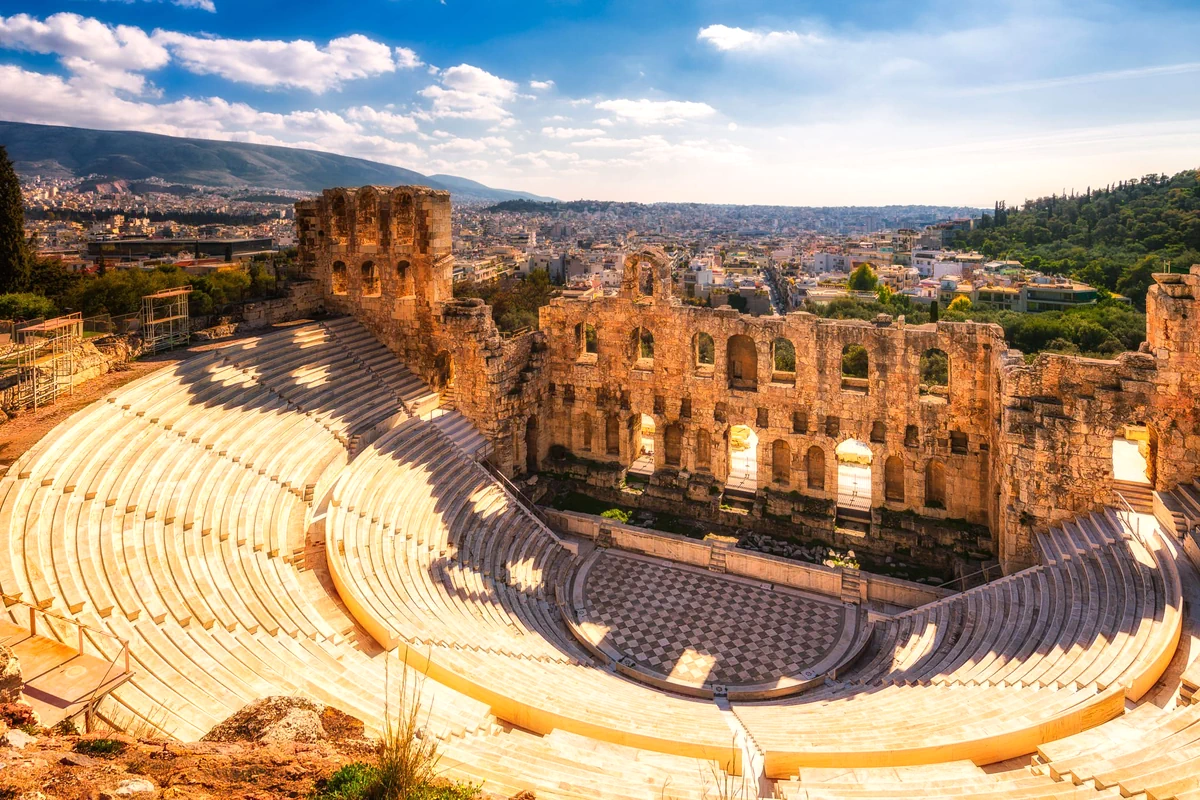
862, 104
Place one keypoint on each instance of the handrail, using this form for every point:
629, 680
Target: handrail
984, 572
511, 489
1136, 527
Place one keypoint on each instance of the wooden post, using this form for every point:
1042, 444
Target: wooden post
32, 621
80, 629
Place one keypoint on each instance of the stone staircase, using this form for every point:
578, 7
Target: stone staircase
851, 586
1139, 495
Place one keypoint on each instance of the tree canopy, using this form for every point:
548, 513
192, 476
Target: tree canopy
863, 279
15, 256
1113, 237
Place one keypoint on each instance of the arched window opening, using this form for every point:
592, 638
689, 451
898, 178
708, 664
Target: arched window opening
783, 357
370, 280
646, 279
403, 219
854, 367
531, 445
585, 429
743, 459
586, 342
642, 344
878, 432
781, 462
366, 222
893, 479
339, 278
643, 464
703, 450
935, 373
673, 444
935, 484
742, 363
339, 221
854, 475
704, 352
816, 468
443, 370
612, 435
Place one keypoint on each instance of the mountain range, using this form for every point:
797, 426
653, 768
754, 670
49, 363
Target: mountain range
64, 152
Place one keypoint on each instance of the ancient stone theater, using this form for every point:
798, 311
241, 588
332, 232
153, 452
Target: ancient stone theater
315, 509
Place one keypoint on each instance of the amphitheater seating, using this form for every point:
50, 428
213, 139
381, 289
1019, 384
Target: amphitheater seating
181, 511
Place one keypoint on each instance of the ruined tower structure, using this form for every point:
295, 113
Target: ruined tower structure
1003, 444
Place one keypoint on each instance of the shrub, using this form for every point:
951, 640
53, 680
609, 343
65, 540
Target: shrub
105, 748
617, 514
350, 782
25, 305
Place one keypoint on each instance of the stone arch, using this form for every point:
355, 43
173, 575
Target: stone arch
1133, 454
612, 434
893, 479
443, 370
531, 445
741, 363
781, 462
403, 219
703, 450
339, 218
935, 484
370, 280
585, 430
855, 367
673, 444
642, 348
647, 274
586, 341
854, 459
338, 280
934, 372
704, 351
783, 361
366, 217
815, 466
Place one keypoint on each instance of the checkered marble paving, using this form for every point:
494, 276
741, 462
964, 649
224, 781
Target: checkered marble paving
698, 627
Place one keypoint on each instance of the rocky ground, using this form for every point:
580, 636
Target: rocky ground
275, 748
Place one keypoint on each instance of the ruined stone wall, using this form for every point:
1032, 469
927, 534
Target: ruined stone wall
813, 406
1061, 414
383, 255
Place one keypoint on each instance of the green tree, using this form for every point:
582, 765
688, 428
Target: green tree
15, 257
25, 305
863, 279
960, 304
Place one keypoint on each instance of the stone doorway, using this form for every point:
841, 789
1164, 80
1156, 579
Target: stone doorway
1131, 455
743, 460
854, 479
531, 446
643, 464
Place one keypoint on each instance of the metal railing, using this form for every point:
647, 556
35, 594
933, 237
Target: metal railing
1134, 521
122, 656
518, 495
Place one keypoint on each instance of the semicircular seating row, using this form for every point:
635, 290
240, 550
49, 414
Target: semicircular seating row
433, 558
171, 513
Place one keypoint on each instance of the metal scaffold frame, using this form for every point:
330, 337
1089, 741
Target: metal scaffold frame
165, 319
46, 359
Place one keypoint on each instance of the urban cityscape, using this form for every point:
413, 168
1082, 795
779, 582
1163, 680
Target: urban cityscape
461, 400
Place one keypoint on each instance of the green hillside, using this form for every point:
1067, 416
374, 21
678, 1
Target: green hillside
1114, 237
129, 155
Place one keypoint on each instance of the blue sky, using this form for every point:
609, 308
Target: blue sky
768, 102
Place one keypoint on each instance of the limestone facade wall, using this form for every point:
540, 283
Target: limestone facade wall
1013, 445
813, 406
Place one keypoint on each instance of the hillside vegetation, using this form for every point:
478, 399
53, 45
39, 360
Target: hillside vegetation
1115, 237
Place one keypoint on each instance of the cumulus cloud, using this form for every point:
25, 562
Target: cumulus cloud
83, 39
570, 133
657, 112
541, 85
273, 63
468, 92
385, 121
203, 5
53, 100
472, 146
726, 38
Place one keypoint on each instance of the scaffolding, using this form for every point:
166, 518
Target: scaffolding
45, 360
165, 319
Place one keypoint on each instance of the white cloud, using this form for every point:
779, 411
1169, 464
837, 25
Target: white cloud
408, 59
473, 146
273, 63
541, 85
203, 5
570, 133
657, 112
83, 38
725, 38
468, 92
385, 121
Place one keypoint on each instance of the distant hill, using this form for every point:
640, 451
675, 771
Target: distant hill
132, 156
